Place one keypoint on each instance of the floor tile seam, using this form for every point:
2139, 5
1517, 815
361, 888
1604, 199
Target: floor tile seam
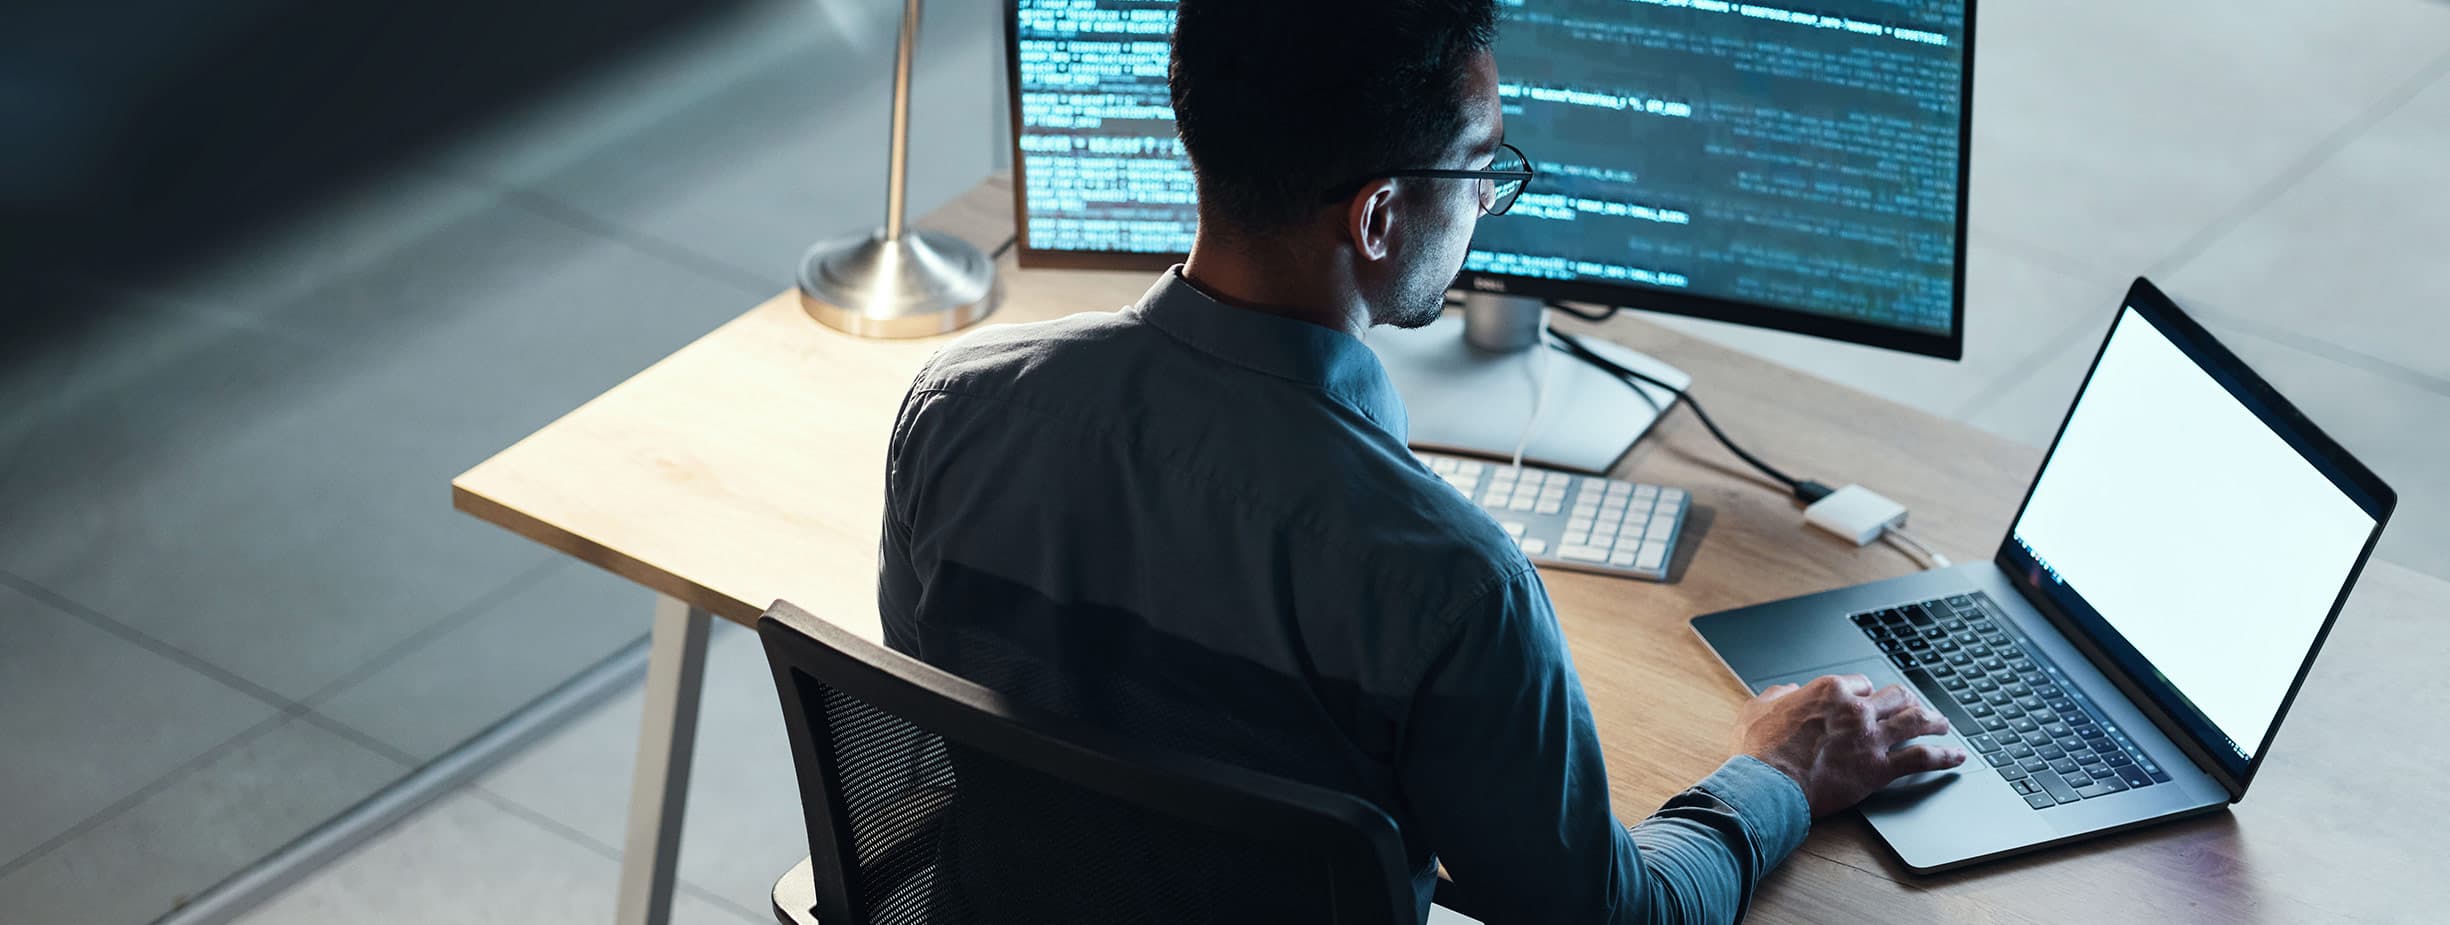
678, 256
2025, 369
2028, 364
153, 788
146, 641
2304, 166
479, 606
547, 823
2333, 351
361, 738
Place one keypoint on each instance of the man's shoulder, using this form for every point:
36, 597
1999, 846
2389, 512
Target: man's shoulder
1420, 527
999, 355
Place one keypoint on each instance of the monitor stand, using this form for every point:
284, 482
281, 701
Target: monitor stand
1469, 385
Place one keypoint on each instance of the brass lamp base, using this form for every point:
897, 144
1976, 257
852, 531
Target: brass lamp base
920, 284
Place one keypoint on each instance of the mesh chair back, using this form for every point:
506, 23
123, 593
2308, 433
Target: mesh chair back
932, 800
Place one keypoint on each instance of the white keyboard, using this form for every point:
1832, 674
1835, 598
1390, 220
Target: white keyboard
1581, 522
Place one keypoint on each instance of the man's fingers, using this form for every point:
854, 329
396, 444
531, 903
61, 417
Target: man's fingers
1855, 684
1887, 701
1921, 758
1909, 724
1776, 691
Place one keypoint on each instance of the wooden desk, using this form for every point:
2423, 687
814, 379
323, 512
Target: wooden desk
748, 467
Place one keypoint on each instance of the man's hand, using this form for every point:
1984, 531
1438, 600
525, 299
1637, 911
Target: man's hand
1835, 737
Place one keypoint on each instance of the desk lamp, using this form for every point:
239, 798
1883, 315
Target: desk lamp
898, 281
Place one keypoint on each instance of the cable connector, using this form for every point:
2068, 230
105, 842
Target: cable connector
1857, 513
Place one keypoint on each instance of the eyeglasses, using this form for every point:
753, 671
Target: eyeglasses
1499, 183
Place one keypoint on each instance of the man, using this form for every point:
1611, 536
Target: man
1194, 521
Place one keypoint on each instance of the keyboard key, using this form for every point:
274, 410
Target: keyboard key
2036, 739
1654, 555
2025, 785
2080, 781
1984, 743
2051, 752
1978, 708
2133, 776
2014, 771
1623, 558
1535, 547
2022, 724
2034, 765
2057, 788
2021, 750
1960, 659
2120, 758
2039, 800
1993, 723
2100, 788
1547, 507
2057, 729
1512, 529
1917, 616
2063, 766
2000, 760
1954, 685
1959, 601
1583, 553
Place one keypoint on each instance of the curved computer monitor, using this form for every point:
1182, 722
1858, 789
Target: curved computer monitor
1765, 165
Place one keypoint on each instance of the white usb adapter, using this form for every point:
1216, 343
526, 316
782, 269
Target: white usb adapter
1856, 513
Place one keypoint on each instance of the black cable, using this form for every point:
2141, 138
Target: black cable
1602, 314
998, 254
1805, 490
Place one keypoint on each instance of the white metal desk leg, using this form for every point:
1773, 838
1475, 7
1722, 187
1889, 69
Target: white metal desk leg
659, 784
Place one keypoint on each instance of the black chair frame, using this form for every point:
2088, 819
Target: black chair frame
1368, 882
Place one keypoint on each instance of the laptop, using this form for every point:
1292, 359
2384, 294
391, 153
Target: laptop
2129, 651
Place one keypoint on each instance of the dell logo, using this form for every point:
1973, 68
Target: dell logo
1486, 284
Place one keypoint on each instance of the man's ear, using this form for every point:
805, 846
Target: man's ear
1369, 219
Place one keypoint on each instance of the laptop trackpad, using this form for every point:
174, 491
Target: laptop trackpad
1883, 674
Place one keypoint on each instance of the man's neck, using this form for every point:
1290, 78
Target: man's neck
1299, 287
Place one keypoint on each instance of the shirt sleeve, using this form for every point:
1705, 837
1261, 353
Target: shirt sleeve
897, 579
1501, 764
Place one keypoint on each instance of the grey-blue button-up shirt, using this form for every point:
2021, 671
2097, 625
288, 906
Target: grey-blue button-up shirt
1199, 525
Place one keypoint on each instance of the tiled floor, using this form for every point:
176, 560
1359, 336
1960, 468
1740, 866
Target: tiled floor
285, 421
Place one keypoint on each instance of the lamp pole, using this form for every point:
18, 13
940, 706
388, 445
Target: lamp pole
897, 281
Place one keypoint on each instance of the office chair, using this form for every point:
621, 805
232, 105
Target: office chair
933, 800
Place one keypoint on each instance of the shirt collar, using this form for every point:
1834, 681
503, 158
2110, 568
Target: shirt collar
1331, 361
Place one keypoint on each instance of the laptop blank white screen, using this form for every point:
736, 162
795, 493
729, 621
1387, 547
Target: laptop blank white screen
2197, 532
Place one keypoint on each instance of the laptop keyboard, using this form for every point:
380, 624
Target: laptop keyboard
2012, 704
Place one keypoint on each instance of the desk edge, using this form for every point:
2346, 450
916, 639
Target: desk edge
475, 504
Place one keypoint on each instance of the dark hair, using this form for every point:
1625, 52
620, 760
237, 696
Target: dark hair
1277, 101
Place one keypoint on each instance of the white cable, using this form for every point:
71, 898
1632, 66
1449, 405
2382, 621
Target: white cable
1932, 555
1539, 389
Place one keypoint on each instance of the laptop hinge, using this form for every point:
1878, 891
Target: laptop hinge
2118, 676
